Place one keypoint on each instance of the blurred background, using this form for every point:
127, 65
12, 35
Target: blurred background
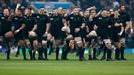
69, 4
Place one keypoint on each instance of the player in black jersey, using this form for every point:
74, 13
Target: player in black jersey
127, 24
117, 31
91, 37
31, 26
76, 23
55, 30
43, 25
18, 22
6, 32
103, 29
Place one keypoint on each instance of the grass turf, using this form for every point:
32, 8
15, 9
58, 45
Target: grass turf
17, 66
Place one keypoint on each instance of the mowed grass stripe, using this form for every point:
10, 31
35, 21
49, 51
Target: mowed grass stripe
71, 67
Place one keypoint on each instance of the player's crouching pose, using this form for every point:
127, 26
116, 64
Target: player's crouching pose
43, 24
75, 22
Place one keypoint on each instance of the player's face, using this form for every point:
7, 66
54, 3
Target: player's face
59, 11
54, 12
28, 11
93, 13
111, 12
108, 13
19, 13
6, 12
64, 11
122, 8
81, 13
76, 11
104, 13
86, 13
43, 12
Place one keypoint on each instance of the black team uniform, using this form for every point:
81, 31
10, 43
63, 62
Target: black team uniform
66, 49
90, 41
83, 33
30, 22
55, 30
42, 20
17, 23
5, 27
115, 37
103, 32
125, 18
75, 22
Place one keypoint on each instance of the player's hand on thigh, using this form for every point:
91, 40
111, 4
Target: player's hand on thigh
78, 41
44, 43
35, 44
108, 43
69, 37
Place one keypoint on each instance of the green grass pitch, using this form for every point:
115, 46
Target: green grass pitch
17, 66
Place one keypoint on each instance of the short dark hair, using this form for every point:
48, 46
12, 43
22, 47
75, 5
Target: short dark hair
6, 8
30, 7
121, 5
3, 8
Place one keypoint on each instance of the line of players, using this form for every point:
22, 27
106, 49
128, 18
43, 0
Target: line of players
76, 31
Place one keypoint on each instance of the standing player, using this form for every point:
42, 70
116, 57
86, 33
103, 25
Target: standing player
31, 26
91, 37
126, 24
117, 31
43, 23
76, 23
19, 25
66, 37
55, 29
102, 23
6, 32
